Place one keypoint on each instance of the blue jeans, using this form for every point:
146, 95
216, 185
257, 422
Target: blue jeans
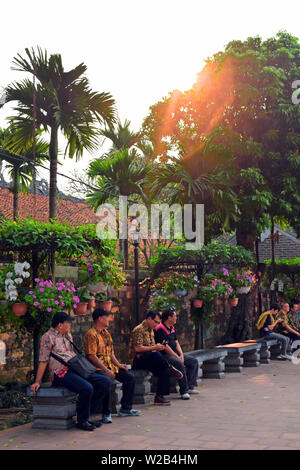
91, 392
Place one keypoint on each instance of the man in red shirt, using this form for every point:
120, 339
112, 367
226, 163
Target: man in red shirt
90, 392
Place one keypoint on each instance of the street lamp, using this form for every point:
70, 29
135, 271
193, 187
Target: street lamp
136, 237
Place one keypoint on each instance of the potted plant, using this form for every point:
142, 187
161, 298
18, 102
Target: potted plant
84, 298
19, 306
51, 298
160, 302
174, 282
104, 300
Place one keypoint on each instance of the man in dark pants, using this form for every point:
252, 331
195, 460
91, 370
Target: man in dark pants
99, 350
90, 392
145, 354
164, 333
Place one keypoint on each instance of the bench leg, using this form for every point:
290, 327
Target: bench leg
234, 362
214, 369
251, 359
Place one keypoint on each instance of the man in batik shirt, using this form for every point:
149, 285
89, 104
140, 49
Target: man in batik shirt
90, 392
99, 350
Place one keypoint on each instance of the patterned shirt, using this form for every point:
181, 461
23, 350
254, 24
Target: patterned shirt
53, 341
293, 321
142, 335
279, 328
100, 343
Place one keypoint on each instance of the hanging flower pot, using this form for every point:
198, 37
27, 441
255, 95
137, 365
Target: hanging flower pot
19, 309
105, 304
243, 290
197, 303
180, 292
95, 288
81, 308
233, 302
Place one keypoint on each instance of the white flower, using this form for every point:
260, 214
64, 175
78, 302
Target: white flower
8, 281
18, 280
26, 274
26, 265
9, 275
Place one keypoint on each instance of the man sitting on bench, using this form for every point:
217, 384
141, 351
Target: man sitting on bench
266, 324
91, 392
164, 333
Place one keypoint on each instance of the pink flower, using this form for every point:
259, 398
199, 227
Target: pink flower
36, 279
62, 304
30, 292
42, 289
56, 302
40, 306
35, 304
49, 309
34, 296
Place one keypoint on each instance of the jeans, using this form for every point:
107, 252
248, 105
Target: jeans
127, 379
189, 370
90, 392
158, 365
284, 340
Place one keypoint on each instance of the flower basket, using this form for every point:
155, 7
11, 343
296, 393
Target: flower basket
81, 308
243, 290
180, 293
19, 309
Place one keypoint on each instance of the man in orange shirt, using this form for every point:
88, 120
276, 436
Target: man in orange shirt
99, 350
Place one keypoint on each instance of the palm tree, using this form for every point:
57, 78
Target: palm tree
64, 102
120, 173
21, 169
121, 136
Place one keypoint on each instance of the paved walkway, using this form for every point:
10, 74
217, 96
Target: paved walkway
256, 409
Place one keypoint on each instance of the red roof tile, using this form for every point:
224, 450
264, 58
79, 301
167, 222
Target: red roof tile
67, 211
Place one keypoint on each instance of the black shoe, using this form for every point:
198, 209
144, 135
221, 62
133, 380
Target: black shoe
175, 372
97, 423
86, 426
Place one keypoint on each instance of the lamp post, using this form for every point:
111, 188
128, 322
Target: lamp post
137, 285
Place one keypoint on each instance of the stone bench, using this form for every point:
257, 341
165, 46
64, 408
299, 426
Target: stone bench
269, 348
241, 354
211, 363
55, 407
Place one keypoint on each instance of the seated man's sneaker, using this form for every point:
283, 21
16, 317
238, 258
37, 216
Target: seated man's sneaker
175, 372
192, 391
159, 400
288, 356
281, 357
106, 419
185, 396
97, 422
86, 426
131, 412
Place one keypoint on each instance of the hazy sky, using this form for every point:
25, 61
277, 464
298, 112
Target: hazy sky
137, 50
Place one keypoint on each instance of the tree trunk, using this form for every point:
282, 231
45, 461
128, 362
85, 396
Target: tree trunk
53, 153
16, 189
240, 323
243, 238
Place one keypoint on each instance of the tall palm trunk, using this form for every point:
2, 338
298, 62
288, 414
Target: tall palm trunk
16, 189
53, 154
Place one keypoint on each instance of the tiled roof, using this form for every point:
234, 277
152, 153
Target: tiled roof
67, 211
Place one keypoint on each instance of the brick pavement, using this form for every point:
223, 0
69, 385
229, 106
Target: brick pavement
256, 409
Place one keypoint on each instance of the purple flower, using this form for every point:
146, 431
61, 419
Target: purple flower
42, 289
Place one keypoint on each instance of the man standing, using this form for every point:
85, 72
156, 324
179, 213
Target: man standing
99, 350
165, 334
90, 392
145, 354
